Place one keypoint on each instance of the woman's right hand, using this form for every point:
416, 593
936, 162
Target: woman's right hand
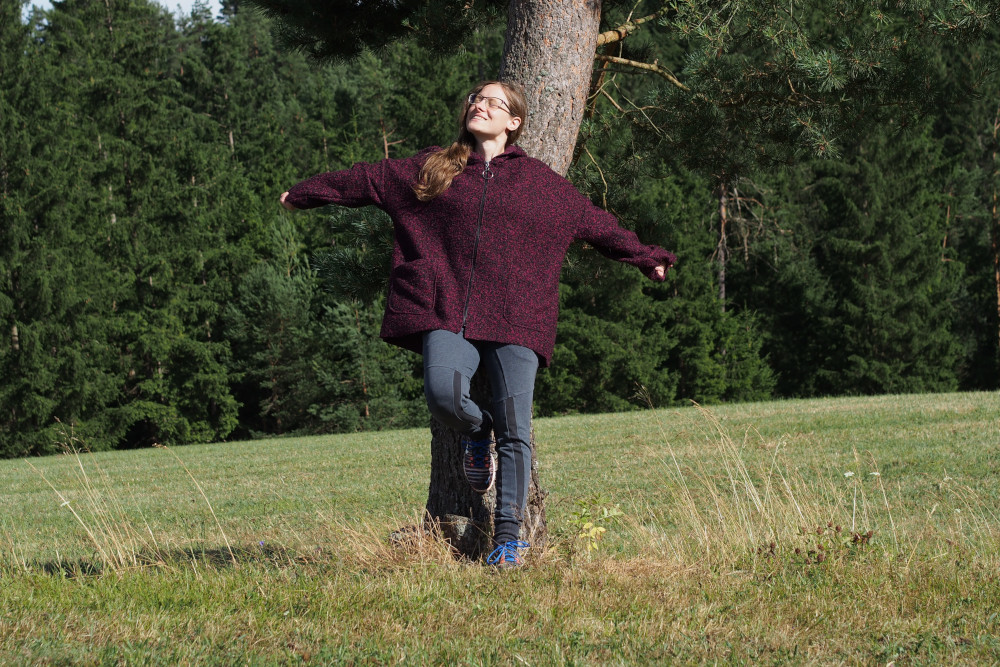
286, 204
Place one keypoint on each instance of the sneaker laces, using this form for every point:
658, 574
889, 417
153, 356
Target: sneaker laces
508, 551
479, 450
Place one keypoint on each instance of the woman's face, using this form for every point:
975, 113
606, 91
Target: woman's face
491, 124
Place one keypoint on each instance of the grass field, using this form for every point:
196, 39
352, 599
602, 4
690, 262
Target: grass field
847, 531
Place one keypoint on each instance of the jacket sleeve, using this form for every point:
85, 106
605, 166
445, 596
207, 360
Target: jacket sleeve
361, 185
601, 229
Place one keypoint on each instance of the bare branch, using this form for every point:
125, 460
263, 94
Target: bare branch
612, 100
604, 195
625, 29
649, 67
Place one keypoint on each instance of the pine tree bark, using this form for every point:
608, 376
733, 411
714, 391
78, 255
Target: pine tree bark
722, 249
549, 49
995, 219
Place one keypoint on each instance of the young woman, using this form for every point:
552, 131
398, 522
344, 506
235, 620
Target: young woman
481, 231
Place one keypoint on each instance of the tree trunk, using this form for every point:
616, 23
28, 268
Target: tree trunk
995, 219
722, 250
549, 49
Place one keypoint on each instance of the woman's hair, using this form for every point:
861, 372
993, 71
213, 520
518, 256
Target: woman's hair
442, 166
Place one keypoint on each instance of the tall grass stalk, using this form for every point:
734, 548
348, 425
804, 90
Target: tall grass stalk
118, 530
103, 518
741, 500
211, 509
967, 520
14, 548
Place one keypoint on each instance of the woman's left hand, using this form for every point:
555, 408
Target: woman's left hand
660, 272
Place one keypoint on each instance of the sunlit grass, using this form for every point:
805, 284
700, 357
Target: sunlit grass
852, 530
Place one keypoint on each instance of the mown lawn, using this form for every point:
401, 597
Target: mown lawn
857, 531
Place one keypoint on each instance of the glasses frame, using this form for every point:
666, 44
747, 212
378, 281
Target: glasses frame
475, 98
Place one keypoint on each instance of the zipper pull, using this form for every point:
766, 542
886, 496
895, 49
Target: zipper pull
487, 172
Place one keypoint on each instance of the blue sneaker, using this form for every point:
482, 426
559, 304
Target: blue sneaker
507, 555
479, 462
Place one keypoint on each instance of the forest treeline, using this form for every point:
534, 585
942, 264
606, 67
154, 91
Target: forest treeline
153, 290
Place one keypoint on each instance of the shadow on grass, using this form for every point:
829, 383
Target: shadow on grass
216, 558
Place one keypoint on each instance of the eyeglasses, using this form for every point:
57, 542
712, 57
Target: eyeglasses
492, 103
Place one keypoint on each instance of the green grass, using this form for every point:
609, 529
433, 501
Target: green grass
743, 537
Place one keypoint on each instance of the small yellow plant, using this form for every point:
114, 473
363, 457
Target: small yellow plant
591, 519
591, 534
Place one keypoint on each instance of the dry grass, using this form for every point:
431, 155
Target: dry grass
741, 538
742, 498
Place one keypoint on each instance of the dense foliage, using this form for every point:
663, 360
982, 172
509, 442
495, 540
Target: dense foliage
154, 291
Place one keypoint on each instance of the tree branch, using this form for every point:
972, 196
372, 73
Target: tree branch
649, 67
625, 29
604, 195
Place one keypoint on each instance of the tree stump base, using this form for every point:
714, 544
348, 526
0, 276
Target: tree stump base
463, 535
463, 517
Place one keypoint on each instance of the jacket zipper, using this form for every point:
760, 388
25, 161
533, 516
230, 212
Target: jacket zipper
487, 176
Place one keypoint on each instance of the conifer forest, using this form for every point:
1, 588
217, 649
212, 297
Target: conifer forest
152, 289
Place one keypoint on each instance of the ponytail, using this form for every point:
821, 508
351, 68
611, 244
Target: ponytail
440, 169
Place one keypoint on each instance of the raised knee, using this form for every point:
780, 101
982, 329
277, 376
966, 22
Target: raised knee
443, 391
441, 406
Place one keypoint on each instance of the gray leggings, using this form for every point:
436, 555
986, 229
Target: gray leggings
450, 361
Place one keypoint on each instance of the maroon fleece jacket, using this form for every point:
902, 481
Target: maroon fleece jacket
486, 253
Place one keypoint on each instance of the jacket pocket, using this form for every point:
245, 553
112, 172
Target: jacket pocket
412, 287
531, 302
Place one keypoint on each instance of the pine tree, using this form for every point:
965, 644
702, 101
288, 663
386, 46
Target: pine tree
54, 360
113, 292
968, 132
872, 307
